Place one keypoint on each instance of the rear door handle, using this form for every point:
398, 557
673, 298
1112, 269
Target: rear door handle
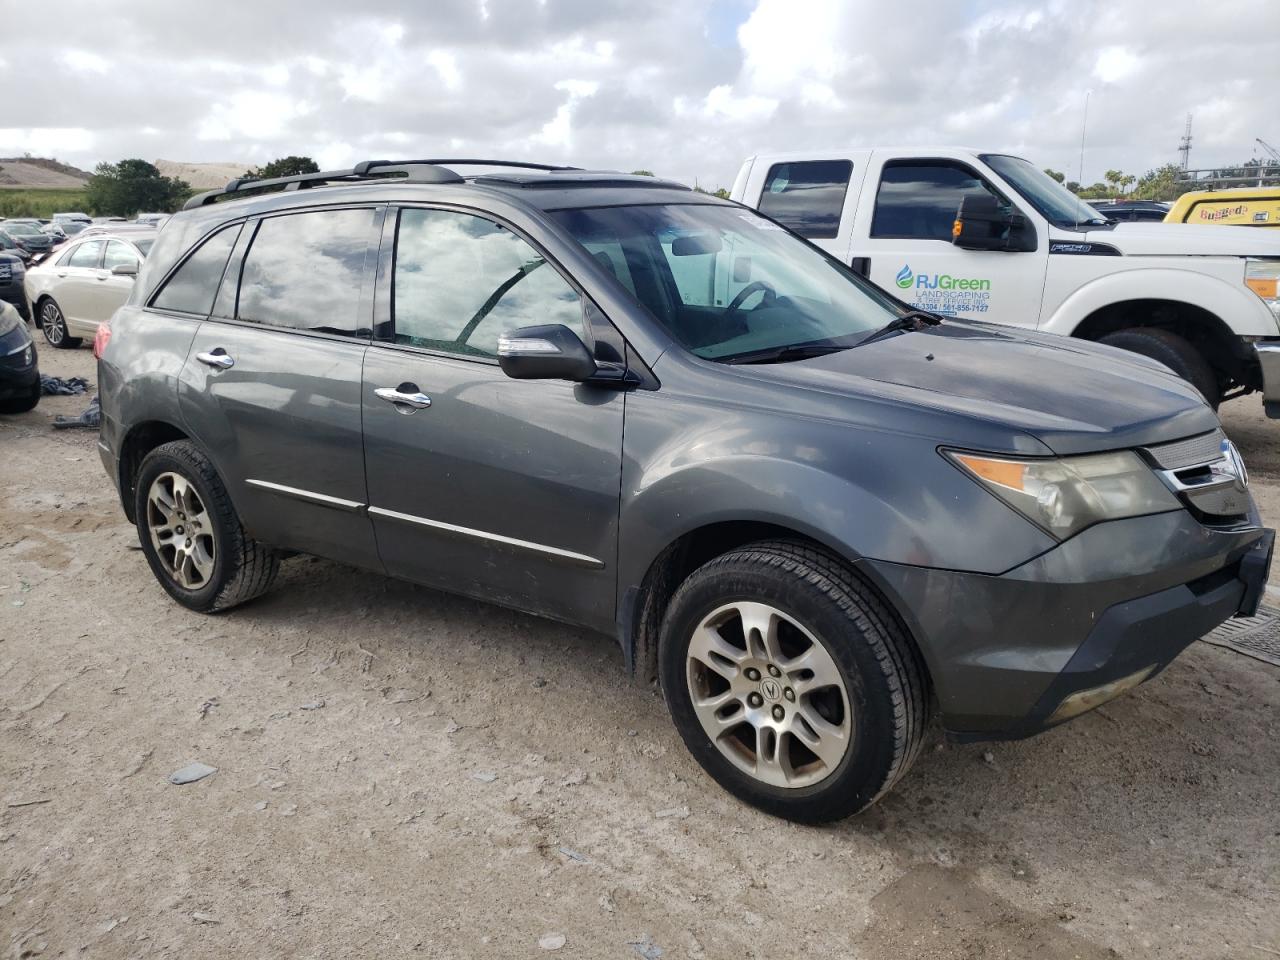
406, 398
218, 358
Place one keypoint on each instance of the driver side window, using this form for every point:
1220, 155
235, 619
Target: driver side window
461, 281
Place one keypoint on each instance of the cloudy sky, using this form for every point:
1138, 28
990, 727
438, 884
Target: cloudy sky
686, 88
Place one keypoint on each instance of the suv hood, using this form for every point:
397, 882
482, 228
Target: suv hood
1071, 395
1136, 238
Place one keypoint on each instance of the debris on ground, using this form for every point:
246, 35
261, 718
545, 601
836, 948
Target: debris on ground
673, 813
317, 704
484, 776
392, 695
646, 948
205, 707
573, 855
199, 917
52, 386
28, 803
552, 941
90, 418
191, 773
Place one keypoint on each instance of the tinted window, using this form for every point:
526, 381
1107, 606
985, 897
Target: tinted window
919, 201
191, 289
118, 253
88, 254
304, 271
461, 281
807, 197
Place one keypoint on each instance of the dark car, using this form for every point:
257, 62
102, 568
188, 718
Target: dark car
10, 246
12, 273
28, 236
813, 513
1128, 210
19, 373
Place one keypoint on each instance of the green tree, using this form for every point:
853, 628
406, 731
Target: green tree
1161, 184
1060, 177
1118, 181
133, 186
642, 173
282, 167
1073, 186
1098, 191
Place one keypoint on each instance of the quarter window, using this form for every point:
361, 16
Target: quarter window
808, 197
191, 289
88, 254
304, 271
462, 281
919, 201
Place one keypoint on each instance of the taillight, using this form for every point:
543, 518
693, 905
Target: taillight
101, 339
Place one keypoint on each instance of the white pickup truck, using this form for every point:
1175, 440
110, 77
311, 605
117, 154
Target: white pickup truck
990, 236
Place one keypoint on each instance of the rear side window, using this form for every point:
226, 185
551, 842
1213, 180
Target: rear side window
191, 289
808, 196
919, 201
88, 254
462, 281
118, 253
304, 271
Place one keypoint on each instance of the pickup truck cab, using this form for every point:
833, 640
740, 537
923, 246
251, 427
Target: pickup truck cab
1201, 300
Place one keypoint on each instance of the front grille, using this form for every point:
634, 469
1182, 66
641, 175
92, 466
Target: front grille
1191, 452
6, 273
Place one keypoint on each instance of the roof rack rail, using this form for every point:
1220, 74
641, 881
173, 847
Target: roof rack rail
414, 171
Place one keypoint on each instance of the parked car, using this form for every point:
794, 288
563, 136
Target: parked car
1152, 211
810, 509
1243, 207
1033, 254
12, 274
73, 292
71, 227
19, 373
28, 236
151, 219
56, 231
71, 217
9, 245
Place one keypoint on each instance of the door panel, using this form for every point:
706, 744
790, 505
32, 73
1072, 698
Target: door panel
502, 489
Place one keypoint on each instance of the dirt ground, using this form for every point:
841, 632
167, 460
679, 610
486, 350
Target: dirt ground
403, 773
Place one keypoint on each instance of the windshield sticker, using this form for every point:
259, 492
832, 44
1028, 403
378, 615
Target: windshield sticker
758, 222
943, 293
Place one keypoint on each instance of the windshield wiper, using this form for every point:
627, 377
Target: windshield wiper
912, 320
799, 351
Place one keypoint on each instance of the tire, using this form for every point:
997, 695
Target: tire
827, 610
54, 325
24, 403
221, 566
1175, 353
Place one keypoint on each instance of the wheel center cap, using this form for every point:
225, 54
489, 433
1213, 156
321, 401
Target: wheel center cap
771, 689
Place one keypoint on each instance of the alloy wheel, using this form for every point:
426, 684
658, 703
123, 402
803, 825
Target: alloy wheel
181, 530
51, 323
769, 695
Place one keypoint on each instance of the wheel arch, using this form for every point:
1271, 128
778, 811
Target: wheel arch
141, 439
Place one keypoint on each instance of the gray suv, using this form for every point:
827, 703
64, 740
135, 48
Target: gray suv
816, 516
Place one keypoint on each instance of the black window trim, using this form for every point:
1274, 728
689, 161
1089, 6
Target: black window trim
844, 197
384, 321
921, 161
150, 305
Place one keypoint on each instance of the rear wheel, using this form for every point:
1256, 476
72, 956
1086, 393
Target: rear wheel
1174, 352
54, 326
790, 682
191, 535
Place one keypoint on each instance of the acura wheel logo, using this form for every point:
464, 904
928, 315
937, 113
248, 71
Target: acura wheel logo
770, 689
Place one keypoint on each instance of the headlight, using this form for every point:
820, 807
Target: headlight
1065, 496
1262, 277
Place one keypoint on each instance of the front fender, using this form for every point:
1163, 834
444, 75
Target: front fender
1234, 303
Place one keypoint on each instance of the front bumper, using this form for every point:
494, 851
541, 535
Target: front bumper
19, 368
1014, 654
1268, 354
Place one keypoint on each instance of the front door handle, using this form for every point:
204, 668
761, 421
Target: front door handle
406, 398
218, 358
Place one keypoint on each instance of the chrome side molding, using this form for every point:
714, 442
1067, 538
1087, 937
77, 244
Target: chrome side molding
568, 556
309, 495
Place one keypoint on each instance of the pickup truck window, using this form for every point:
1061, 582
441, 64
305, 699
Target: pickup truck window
727, 284
1051, 199
808, 197
918, 201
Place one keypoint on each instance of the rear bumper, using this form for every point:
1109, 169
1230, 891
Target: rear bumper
1012, 655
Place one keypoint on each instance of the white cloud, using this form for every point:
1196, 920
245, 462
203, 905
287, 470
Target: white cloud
1115, 64
82, 61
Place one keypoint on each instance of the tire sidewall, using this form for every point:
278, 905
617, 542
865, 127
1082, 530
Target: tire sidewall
858, 778
1171, 355
166, 461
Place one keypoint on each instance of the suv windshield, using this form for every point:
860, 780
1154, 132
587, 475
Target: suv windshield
728, 284
1055, 202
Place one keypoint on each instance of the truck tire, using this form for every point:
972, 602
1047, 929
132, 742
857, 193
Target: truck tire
777, 647
1175, 353
191, 535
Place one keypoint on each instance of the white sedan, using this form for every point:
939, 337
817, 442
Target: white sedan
84, 283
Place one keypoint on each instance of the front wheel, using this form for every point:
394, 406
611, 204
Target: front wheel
790, 682
1174, 352
54, 326
191, 535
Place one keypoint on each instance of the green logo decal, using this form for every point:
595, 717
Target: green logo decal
904, 278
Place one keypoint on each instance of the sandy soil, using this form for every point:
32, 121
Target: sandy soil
402, 773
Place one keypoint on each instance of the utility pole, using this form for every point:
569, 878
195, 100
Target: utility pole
1185, 149
1084, 125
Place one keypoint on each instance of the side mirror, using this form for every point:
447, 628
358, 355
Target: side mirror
546, 352
125, 270
983, 223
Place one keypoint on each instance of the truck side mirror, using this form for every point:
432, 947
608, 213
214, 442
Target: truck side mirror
984, 223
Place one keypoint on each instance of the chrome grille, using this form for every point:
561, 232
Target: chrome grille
1191, 452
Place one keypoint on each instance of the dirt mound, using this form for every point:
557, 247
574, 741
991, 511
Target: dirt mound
202, 176
40, 172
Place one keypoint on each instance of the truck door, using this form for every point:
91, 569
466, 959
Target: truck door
903, 231
815, 198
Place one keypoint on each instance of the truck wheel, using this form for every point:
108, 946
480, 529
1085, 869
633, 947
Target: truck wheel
1175, 353
191, 535
790, 682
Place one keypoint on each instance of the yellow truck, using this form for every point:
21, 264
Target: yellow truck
1240, 207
